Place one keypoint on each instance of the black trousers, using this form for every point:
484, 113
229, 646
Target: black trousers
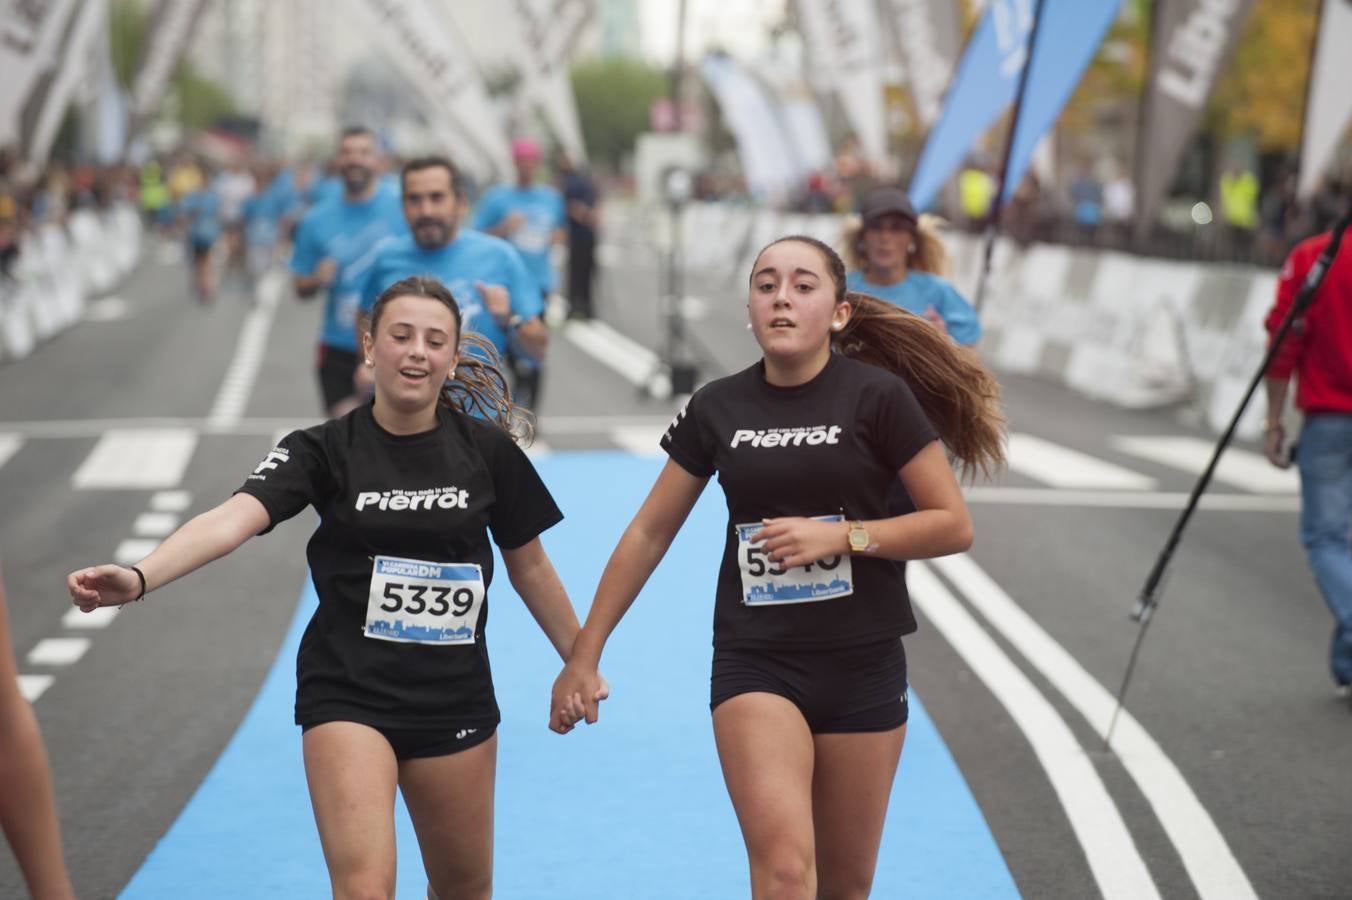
581, 274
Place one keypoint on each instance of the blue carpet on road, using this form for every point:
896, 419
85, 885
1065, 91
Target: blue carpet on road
632, 808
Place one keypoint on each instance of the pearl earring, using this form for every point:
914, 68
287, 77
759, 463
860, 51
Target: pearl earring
836, 326
369, 362
748, 326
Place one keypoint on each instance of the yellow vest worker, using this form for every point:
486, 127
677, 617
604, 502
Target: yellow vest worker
1239, 199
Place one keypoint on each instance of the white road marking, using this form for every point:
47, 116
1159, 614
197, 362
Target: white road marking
58, 651
9, 445
107, 309
598, 424
622, 354
1117, 866
1215, 872
137, 458
133, 550
1174, 500
170, 501
641, 440
1240, 468
154, 524
1062, 467
95, 618
249, 350
538, 449
167, 254
34, 686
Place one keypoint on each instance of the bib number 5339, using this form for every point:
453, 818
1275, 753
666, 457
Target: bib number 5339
414, 601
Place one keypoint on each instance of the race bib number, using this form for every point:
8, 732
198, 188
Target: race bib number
416, 602
532, 238
766, 582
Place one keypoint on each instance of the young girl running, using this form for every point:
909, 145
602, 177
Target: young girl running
808, 689
394, 688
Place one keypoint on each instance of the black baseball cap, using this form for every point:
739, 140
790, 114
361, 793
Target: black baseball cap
883, 201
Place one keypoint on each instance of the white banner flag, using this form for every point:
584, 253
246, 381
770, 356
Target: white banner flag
762, 147
77, 59
927, 38
171, 25
420, 45
1329, 107
30, 33
845, 53
547, 31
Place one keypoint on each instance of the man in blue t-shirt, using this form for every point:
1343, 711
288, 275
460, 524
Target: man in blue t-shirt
334, 247
200, 212
498, 297
530, 216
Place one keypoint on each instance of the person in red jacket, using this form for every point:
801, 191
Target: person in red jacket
1318, 350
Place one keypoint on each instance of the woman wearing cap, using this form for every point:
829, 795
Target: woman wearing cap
897, 256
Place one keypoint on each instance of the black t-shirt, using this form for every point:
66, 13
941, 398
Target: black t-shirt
435, 497
830, 446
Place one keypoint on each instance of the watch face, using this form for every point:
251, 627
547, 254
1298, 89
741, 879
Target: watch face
858, 538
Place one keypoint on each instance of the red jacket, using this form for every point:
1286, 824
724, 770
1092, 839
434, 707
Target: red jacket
1319, 348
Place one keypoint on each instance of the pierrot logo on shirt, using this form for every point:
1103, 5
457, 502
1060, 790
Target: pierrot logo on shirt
427, 498
810, 435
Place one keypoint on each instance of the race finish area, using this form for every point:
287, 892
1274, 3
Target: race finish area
633, 807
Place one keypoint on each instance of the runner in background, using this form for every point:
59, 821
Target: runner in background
334, 247
234, 185
498, 298
531, 217
27, 806
897, 256
199, 214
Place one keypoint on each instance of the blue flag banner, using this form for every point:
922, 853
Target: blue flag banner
1067, 39
986, 81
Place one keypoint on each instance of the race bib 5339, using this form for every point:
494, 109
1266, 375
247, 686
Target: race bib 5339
413, 601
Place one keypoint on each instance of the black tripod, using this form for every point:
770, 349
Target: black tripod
1145, 605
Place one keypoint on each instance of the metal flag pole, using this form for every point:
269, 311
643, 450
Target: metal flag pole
1145, 605
993, 221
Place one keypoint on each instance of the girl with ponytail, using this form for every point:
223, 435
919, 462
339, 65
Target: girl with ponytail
900, 257
808, 690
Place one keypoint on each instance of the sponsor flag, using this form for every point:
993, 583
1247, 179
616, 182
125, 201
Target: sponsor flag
1328, 108
769, 169
1067, 38
985, 83
926, 34
171, 25
418, 44
1192, 41
30, 35
547, 31
845, 54
78, 57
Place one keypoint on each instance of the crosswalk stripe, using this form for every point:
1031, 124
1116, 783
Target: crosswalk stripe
1062, 467
641, 440
154, 524
58, 651
9, 445
171, 501
133, 550
1238, 468
100, 617
137, 458
34, 686
538, 449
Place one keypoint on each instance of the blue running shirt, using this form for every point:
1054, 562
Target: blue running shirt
543, 208
919, 290
349, 233
471, 257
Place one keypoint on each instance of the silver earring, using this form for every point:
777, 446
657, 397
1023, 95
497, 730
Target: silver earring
369, 362
748, 326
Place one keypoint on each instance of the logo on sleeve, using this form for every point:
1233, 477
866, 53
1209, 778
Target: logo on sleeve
276, 456
428, 498
786, 437
675, 423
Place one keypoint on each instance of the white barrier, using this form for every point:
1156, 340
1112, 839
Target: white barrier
58, 268
1133, 331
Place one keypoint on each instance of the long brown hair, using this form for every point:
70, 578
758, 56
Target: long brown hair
477, 387
930, 254
958, 394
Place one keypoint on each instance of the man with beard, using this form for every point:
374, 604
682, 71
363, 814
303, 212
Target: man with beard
334, 246
498, 298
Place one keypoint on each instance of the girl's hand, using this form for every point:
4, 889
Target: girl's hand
797, 541
577, 695
105, 585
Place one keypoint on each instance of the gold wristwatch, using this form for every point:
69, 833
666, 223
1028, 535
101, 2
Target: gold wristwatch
859, 542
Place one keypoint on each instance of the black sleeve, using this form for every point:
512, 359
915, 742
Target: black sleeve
685, 441
522, 507
291, 477
898, 426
